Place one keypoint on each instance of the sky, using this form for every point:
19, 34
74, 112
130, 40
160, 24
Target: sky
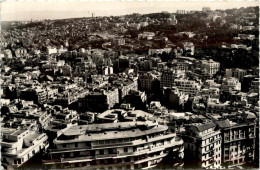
24, 10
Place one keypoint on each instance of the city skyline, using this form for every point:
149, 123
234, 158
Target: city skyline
25, 11
166, 87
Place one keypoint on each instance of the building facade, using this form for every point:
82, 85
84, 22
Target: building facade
19, 145
202, 146
131, 145
238, 142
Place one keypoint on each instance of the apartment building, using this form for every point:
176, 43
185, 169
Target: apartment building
215, 106
38, 95
118, 41
202, 146
237, 73
173, 98
167, 78
99, 100
183, 66
125, 86
186, 86
230, 83
19, 145
146, 81
238, 140
127, 145
210, 67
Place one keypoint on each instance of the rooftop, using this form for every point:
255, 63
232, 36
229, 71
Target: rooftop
107, 131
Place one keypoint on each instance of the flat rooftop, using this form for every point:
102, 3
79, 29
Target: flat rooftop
96, 132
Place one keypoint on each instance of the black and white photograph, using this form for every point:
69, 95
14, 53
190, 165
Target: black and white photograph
129, 85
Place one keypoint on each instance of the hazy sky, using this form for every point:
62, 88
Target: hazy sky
58, 9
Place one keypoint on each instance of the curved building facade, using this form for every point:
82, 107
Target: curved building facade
123, 145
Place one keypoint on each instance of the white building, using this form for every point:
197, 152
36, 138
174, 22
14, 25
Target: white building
190, 87
230, 83
211, 67
203, 145
18, 146
127, 145
51, 50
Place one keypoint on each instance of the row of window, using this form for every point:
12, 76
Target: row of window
120, 141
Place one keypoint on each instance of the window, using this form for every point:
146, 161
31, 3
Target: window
127, 159
125, 149
76, 145
101, 152
64, 145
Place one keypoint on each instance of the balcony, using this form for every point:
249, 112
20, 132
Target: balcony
77, 159
150, 158
210, 143
112, 144
106, 156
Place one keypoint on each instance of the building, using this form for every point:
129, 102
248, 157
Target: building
247, 81
121, 64
210, 67
173, 98
51, 50
181, 12
167, 78
202, 146
38, 95
206, 9
99, 100
118, 41
215, 106
182, 66
146, 81
110, 116
186, 86
66, 70
254, 86
159, 51
230, 83
238, 140
237, 73
146, 35
248, 28
107, 70
86, 118
172, 20
125, 86
128, 145
189, 48
19, 145
137, 99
